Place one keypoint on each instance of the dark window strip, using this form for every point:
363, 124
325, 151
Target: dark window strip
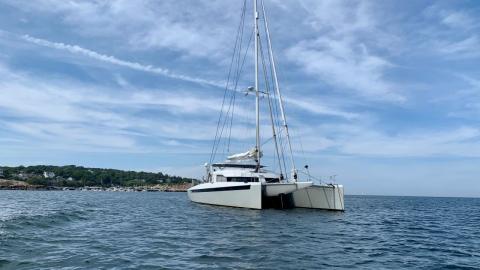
244, 187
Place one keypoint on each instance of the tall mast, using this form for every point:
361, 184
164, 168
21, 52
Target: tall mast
257, 94
277, 89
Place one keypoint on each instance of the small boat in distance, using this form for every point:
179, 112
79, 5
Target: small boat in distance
242, 180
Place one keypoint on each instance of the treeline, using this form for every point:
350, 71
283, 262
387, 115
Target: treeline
77, 176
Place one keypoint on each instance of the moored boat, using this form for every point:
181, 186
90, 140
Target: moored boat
242, 180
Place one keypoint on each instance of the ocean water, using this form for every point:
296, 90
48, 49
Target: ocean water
108, 230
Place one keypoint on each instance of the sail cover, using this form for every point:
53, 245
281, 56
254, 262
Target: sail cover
251, 154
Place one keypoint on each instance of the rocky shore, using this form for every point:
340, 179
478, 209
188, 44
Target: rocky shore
21, 185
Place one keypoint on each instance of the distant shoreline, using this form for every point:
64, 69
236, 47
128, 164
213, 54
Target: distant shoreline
21, 185
90, 190
51, 177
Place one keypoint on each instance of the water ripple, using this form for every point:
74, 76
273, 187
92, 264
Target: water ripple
85, 230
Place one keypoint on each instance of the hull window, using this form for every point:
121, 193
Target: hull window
272, 180
242, 179
221, 178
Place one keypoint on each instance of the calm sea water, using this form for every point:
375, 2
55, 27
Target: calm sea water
102, 230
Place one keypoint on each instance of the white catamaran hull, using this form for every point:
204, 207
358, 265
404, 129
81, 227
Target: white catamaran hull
328, 197
235, 194
275, 189
250, 195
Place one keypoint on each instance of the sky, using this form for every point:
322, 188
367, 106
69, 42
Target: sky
383, 94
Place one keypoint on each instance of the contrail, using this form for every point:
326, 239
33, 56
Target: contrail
119, 62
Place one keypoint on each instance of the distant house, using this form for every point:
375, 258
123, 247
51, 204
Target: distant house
23, 175
48, 174
1, 172
70, 179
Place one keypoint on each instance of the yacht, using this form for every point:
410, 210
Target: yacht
243, 179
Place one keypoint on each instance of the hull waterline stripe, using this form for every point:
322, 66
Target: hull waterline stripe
244, 187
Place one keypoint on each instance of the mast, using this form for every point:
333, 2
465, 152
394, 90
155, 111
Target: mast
277, 89
257, 94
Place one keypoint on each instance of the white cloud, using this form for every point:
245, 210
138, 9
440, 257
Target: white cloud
453, 32
344, 64
339, 17
83, 117
194, 31
202, 29
364, 141
342, 49
464, 48
86, 118
465, 102
54, 114
316, 107
475, 83
74, 136
458, 19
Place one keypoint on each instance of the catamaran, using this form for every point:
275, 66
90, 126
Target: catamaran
243, 180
